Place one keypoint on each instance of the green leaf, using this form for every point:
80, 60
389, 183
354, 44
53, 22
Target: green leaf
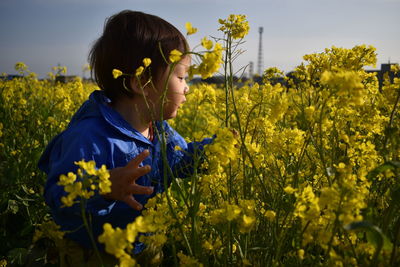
12, 206
24, 201
18, 255
395, 196
390, 165
375, 236
28, 229
392, 209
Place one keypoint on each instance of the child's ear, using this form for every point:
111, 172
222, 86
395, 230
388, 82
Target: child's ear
137, 86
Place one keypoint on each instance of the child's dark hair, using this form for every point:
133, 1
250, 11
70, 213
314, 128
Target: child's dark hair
127, 39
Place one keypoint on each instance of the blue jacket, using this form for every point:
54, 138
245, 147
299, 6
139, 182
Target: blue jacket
97, 132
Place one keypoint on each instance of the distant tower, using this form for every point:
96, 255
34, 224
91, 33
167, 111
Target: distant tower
260, 62
251, 69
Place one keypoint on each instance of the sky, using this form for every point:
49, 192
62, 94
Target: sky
45, 33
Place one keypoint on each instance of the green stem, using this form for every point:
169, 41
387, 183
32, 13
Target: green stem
227, 58
389, 127
89, 230
167, 170
395, 241
174, 254
227, 74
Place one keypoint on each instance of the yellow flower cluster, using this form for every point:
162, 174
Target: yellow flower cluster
155, 220
48, 229
90, 180
311, 143
117, 243
303, 150
211, 61
235, 25
243, 214
175, 56
346, 84
294, 168
272, 73
206, 43
116, 73
190, 29
42, 108
188, 261
223, 148
146, 62
21, 67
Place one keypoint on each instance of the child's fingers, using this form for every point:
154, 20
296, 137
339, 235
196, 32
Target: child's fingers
134, 163
140, 190
133, 203
134, 174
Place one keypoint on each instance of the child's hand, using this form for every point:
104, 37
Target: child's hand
123, 181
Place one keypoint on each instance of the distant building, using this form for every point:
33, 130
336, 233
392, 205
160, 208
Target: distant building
210, 80
218, 80
385, 68
9, 77
65, 78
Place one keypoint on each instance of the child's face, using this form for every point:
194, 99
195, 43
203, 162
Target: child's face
177, 88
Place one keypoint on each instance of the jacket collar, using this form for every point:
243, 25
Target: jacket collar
114, 119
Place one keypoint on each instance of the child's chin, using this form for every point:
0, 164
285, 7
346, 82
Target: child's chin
169, 116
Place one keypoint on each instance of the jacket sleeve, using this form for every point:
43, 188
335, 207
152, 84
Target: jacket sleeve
187, 157
59, 158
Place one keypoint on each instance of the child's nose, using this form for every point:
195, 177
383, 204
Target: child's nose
186, 89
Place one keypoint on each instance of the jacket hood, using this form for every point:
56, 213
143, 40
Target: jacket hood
89, 108
96, 107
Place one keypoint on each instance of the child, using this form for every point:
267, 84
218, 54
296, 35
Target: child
116, 126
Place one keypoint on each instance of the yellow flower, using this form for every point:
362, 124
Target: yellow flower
48, 228
188, 261
232, 212
300, 254
89, 167
270, 214
116, 73
67, 179
207, 44
307, 206
175, 56
104, 182
236, 25
289, 190
211, 61
207, 245
247, 223
139, 71
68, 200
190, 30
21, 66
91, 180
114, 240
395, 68
309, 111
346, 84
146, 61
